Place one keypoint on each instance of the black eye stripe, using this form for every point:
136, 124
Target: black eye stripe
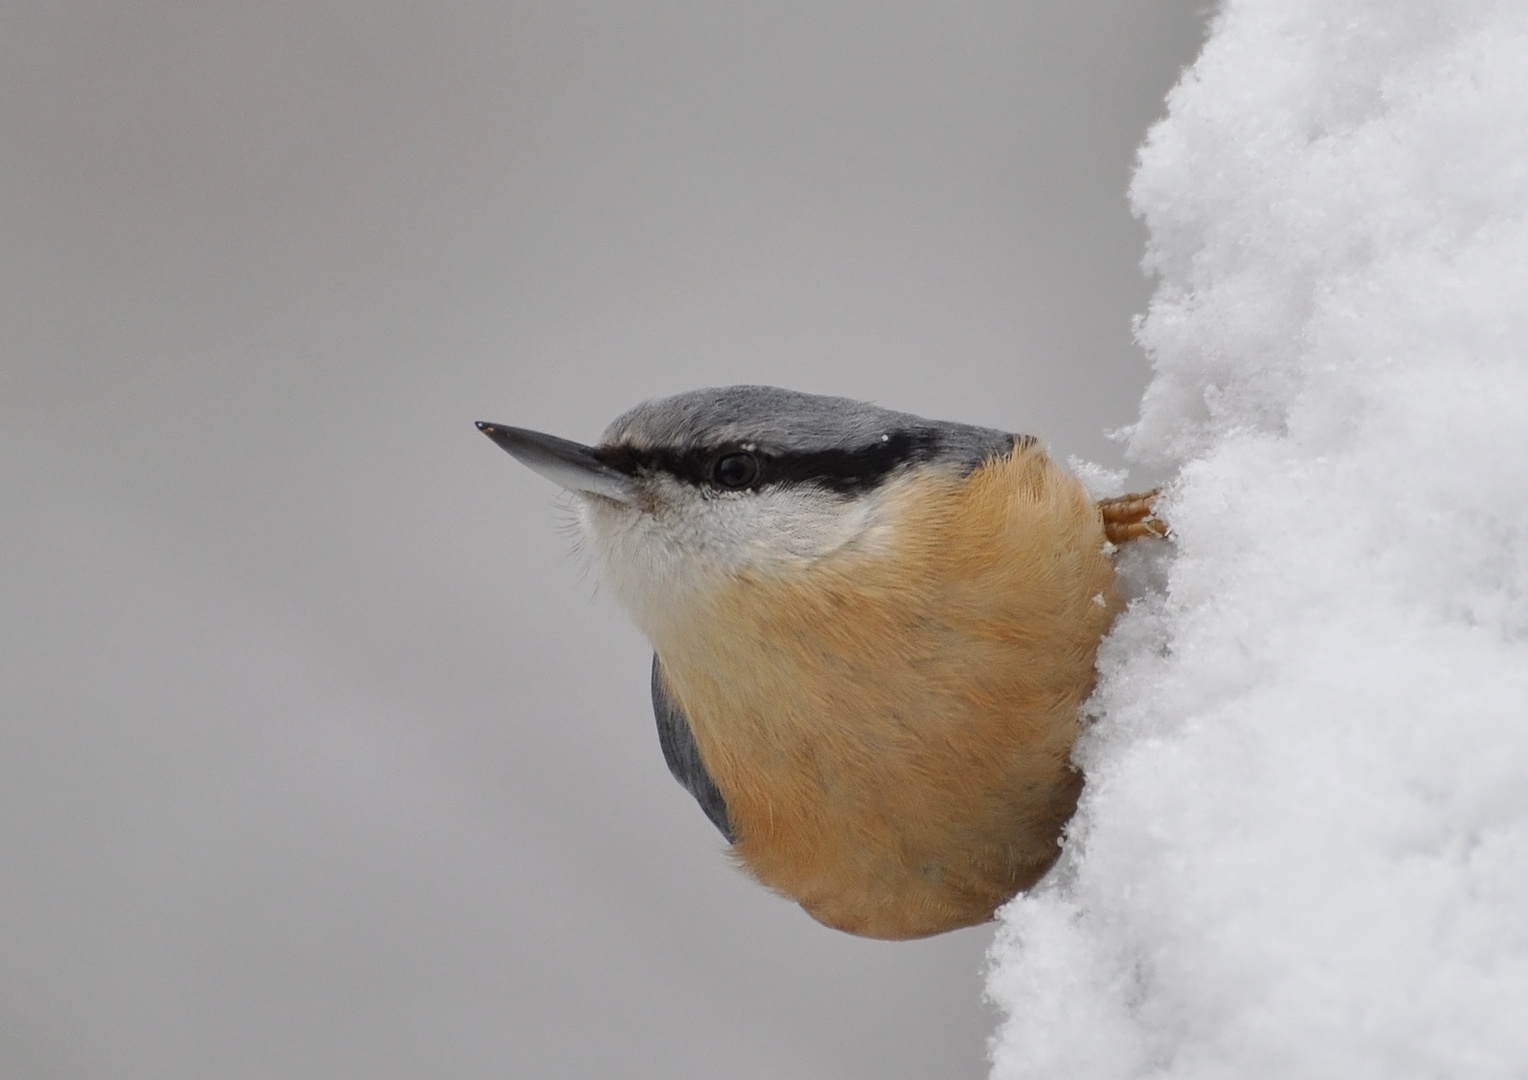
842, 471
848, 471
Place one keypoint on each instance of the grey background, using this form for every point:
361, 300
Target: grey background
318, 758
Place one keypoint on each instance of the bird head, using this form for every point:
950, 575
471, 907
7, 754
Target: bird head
687, 493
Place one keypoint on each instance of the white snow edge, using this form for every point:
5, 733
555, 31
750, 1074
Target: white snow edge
1303, 846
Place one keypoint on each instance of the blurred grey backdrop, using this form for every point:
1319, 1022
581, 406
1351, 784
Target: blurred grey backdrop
320, 756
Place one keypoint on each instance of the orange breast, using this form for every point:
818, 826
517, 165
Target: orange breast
891, 725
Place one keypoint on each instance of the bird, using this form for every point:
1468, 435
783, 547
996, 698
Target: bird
873, 634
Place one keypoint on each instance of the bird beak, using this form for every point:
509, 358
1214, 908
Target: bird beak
568, 464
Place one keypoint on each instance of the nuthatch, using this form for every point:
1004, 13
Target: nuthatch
873, 633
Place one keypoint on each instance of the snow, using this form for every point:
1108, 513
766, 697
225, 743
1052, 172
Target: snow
1303, 848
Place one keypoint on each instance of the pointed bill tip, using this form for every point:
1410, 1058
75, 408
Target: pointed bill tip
568, 464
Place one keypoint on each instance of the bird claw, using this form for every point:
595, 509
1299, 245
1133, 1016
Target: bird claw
1130, 517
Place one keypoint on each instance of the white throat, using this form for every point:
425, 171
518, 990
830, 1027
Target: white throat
662, 558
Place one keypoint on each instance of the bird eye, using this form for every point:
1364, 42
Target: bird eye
735, 471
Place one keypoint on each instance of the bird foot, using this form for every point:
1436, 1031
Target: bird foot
1130, 517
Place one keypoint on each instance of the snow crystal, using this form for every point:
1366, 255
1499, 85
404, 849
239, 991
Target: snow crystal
1303, 848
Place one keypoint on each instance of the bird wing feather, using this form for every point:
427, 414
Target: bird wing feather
683, 756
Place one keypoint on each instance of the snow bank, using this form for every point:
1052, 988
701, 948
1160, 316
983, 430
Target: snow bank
1303, 850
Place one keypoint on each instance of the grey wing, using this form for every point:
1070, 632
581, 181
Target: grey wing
683, 756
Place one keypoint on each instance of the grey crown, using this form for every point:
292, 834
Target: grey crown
792, 422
